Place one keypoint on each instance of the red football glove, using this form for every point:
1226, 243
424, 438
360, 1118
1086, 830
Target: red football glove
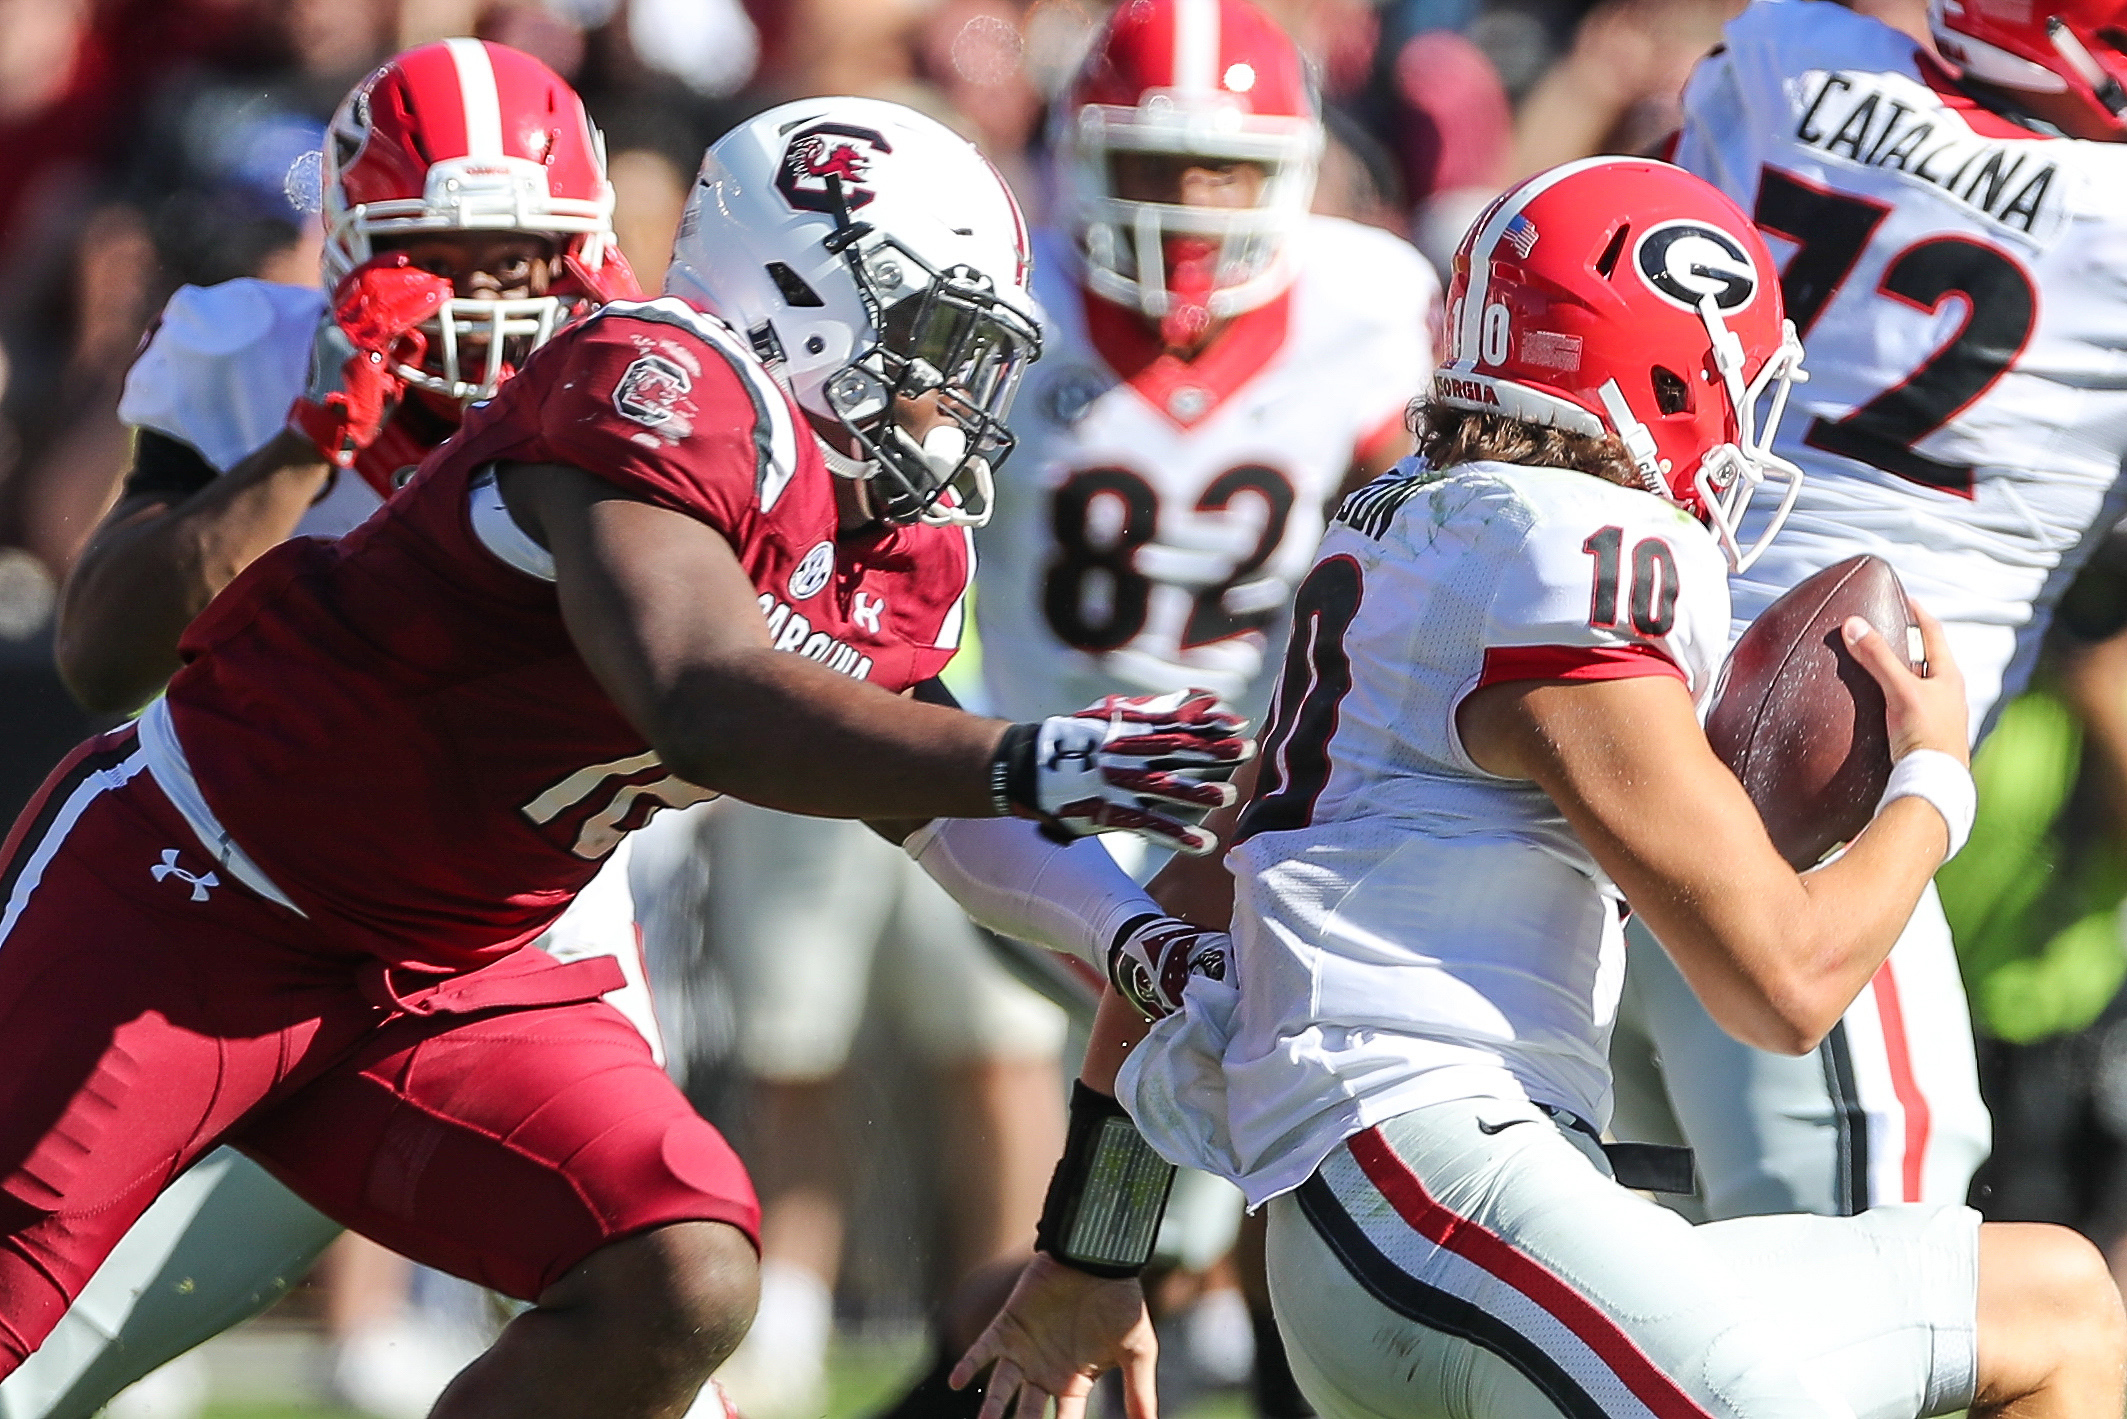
1153, 765
611, 280
373, 324
1152, 961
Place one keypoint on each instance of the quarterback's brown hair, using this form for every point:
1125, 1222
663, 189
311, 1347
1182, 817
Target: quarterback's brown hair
1449, 436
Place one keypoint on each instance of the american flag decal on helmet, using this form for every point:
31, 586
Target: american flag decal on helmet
1521, 235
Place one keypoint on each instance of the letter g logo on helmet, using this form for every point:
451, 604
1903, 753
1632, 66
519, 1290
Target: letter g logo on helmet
1682, 262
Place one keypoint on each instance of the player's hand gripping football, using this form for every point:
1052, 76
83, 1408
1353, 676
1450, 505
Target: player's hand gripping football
1153, 765
374, 323
1921, 711
1151, 964
1058, 1332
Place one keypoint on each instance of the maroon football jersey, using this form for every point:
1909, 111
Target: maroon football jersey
396, 726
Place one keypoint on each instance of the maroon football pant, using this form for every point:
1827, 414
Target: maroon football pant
500, 1125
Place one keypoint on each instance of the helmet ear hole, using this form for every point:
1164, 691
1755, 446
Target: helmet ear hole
793, 287
1672, 393
1607, 262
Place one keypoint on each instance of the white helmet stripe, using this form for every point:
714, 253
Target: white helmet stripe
1472, 321
1196, 46
483, 105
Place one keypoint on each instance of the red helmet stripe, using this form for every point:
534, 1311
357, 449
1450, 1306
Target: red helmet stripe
1196, 46
483, 105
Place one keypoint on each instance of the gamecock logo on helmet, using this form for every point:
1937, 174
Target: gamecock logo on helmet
829, 150
1685, 261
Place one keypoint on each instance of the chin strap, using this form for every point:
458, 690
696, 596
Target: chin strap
842, 465
1637, 441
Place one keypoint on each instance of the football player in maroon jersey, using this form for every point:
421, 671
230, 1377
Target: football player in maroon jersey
465, 197
288, 909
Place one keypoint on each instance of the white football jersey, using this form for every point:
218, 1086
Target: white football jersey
1960, 283
1149, 529
219, 372
1409, 928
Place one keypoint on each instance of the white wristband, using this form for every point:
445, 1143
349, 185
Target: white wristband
1941, 780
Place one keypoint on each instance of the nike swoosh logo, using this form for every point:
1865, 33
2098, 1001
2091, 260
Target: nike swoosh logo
1490, 1128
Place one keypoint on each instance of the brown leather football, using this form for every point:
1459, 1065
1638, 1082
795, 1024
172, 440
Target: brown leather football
1799, 720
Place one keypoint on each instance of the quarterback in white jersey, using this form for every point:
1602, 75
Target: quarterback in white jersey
249, 427
1217, 366
1485, 728
1956, 264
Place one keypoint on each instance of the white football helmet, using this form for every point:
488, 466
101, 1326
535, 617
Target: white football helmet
871, 254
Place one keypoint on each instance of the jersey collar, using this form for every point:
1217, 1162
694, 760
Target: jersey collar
1186, 392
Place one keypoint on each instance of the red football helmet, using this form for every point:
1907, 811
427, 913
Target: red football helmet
463, 135
1625, 296
2057, 47
1215, 79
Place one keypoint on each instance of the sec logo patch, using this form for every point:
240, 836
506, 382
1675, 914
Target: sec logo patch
812, 573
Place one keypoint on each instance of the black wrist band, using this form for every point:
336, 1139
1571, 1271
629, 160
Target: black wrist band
1107, 1196
1012, 772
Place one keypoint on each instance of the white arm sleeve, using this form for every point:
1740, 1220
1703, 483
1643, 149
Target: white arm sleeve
1010, 878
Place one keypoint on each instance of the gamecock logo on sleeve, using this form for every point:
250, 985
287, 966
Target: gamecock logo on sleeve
650, 390
842, 151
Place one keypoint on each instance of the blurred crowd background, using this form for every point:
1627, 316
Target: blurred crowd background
149, 143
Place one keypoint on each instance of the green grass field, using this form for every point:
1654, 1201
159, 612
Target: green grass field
862, 1376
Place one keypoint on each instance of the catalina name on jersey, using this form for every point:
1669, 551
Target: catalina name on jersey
1889, 121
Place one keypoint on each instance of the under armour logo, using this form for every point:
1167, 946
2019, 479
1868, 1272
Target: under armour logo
865, 609
169, 868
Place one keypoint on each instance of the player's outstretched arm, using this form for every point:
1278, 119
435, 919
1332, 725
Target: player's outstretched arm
666, 618
668, 621
156, 561
1776, 957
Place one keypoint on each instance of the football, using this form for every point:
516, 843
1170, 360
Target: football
1799, 720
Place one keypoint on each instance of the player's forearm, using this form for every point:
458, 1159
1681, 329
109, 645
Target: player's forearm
1779, 960
1863, 902
150, 569
1117, 1030
785, 732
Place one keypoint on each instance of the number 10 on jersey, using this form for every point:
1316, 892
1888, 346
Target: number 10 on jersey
1652, 604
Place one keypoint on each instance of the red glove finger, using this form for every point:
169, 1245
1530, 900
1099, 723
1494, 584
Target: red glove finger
1181, 749
1193, 710
1101, 815
383, 300
612, 280
1173, 788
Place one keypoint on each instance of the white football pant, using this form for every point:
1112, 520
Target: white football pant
1473, 1259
